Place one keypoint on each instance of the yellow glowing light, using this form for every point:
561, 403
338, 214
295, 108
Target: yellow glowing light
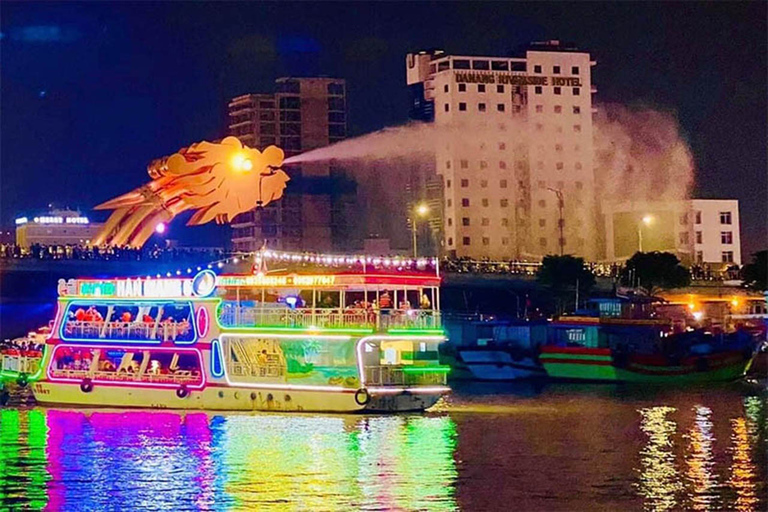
698, 315
241, 163
735, 302
422, 209
691, 306
647, 220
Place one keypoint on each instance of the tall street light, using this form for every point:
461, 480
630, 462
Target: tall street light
647, 220
420, 210
560, 220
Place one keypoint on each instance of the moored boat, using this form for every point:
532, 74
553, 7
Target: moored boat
334, 342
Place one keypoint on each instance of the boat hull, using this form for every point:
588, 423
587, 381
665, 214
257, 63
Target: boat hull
231, 398
599, 365
499, 365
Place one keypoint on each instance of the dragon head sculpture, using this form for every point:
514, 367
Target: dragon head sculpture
218, 180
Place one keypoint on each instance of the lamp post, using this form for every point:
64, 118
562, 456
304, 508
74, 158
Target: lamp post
420, 210
647, 220
560, 221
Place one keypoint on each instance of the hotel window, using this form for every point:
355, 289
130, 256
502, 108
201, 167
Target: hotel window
499, 65
579, 185
576, 91
460, 64
542, 203
450, 241
577, 128
462, 87
504, 203
463, 107
503, 184
481, 64
445, 88
465, 221
450, 221
542, 223
448, 184
480, 87
684, 238
465, 240
485, 202
485, 221
699, 237
558, 147
502, 165
558, 90
558, 109
725, 217
699, 256
504, 241
502, 146
486, 240
517, 109
500, 89
483, 164
447, 107
500, 107
537, 69
697, 217
727, 257
683, 219
539, 109
505, 222
726, 237
465, 202
556, 70
465, 164
543, 242
559, 166
576, 110
574, 70
483, 183
447, 164
537, 89
578, 165
481, 107
464, 183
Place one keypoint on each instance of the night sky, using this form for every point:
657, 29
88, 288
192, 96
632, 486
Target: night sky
91, 92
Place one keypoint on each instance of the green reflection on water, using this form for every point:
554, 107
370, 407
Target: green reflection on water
23, 475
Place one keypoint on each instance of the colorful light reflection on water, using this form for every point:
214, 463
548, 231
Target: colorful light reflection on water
561, 449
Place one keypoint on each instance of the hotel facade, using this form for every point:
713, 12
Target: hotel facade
520, 184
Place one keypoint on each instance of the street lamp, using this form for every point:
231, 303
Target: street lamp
647, 220
560, 220
421, 210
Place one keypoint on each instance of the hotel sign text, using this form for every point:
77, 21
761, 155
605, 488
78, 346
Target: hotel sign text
507, 78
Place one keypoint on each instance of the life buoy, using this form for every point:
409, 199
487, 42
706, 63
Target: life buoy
86, 386
362, 397
182, 392
22, 380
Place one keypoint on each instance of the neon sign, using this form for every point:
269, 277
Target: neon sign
264, 280
202, 285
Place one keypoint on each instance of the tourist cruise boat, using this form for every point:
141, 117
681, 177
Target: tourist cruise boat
347, 341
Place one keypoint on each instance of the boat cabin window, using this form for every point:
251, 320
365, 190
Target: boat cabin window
121, 321
159, 366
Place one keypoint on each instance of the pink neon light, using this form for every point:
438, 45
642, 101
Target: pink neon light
416, 390
110, 383
202, 322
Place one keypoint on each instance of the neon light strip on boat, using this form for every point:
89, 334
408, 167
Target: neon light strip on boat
416, 390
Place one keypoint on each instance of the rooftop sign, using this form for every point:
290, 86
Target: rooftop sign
201, 285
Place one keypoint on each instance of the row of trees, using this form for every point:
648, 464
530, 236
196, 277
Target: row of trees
568, 277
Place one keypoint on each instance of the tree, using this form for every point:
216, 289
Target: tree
655, 271
562, 274
756, 272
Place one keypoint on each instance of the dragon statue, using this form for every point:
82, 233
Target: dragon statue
218, 180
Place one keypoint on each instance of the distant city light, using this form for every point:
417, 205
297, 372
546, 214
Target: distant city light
647, 220
698, 315
160, 228
21, 220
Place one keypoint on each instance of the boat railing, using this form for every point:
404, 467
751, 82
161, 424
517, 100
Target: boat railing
164, 331
249, 370
402, 376
178, 377
381, 319
20, 363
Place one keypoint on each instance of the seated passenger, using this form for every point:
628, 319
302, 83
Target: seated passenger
147, 319
80, 315
126, 317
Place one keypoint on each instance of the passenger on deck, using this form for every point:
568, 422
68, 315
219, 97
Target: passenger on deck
424, 303
80, 315
147, 319
385, 301
126, 317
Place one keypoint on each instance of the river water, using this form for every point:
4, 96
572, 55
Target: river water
546, 447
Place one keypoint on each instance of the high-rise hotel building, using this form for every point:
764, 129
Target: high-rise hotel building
302, 114
516, 159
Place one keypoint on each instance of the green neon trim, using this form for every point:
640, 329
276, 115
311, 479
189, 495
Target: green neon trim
416, 332
428, 369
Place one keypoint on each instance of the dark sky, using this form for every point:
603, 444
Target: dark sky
91, 92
